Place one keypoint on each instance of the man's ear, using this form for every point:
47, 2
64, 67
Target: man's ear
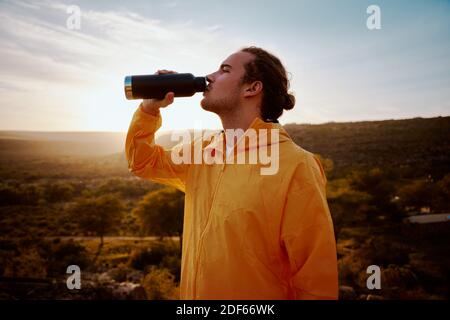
253, 89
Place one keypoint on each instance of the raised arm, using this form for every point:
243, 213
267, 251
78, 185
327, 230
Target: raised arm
145, 158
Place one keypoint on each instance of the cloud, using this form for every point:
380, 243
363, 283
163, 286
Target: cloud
41, 57
340, 74
107, 38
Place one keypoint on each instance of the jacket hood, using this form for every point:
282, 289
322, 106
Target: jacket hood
259, 134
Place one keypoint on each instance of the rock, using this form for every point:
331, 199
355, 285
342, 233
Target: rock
138, 293
347, 293
374, 297
135, 276
104, 278
100, 286
124, 274
128, 291
398, 276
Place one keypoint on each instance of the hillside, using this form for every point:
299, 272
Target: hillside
418, 146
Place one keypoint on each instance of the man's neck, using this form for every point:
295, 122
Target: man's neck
237, 120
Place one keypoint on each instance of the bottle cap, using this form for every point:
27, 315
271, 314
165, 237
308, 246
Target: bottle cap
128, 88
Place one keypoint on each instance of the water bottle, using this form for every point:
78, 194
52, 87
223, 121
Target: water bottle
157, 86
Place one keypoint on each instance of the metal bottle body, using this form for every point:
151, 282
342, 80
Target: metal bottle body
156, 86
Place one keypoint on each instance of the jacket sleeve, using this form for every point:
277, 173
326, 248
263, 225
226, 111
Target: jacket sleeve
307, 234
148, 160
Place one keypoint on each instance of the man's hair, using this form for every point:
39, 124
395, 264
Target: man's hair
268, 69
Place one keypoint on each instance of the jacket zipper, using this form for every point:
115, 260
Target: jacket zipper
205, 228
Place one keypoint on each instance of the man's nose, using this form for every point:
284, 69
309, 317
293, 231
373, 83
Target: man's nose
209, 78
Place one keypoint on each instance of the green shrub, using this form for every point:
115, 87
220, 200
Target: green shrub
60, 255
398, 277
153, 256
27, 264
173, 264
159, 285
120, 274
381, 252
57, 192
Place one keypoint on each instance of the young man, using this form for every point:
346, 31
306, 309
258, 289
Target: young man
246, 235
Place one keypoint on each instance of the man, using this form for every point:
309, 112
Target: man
245, 235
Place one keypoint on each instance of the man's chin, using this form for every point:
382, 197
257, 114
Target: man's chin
204, 104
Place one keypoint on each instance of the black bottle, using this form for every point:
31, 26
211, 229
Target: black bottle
157, 86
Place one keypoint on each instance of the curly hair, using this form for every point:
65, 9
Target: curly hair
268, 69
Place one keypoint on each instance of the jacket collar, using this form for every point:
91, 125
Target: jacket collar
218, 142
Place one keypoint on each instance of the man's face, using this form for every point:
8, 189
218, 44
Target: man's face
224, 92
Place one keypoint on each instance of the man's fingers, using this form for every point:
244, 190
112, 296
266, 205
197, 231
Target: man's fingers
167, 100
169, 97
164, 71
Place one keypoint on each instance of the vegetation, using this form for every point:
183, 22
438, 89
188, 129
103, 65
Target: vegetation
60, 202
161, 213
98, 215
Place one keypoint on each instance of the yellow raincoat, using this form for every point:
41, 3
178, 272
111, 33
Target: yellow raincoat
246, 235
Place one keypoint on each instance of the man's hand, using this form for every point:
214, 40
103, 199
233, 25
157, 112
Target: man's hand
152, 106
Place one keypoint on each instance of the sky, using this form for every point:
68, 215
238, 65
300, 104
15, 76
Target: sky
57, 78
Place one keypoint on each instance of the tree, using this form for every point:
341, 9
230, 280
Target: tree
379, 184
159, 284
441, 194
99, 215
345, 204
161, 213
57, 192
416, 194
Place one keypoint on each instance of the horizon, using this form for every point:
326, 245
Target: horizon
160, 132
